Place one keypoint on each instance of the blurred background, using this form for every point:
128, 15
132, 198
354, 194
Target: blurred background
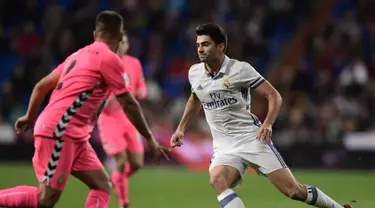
319, 54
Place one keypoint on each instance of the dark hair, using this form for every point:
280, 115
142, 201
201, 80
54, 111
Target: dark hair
216, 33
109, 22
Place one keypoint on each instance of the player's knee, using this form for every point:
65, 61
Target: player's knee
120, 166
219, 183
120, 160
105, 186
46, 200
136, 165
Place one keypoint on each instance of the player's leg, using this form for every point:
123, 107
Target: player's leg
100, 187
52, 161
127, 163
135, 154
114, 143
225, 173
284, 180
279, 174
88, 168
119, 178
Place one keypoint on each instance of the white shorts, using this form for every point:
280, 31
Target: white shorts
263, 158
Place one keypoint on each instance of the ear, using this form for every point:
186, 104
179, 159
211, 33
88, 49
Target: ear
121, 35
221, 47
94, 33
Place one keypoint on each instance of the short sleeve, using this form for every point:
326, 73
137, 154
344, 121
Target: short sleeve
250, 77
59, 68
190, 80
112, 71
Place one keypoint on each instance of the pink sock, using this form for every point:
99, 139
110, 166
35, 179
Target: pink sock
20, 196
120, 183
97, 199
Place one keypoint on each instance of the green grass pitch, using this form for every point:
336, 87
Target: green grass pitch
176, 187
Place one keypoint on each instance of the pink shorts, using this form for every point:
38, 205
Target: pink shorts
54, 160
117, 138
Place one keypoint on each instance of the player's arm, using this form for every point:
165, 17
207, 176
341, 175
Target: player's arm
274, 101
192, 109
251, 78
41, 89
112, 70
135, 113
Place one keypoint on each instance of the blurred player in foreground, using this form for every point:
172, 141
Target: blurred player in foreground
222, 86
80, 84
120, 139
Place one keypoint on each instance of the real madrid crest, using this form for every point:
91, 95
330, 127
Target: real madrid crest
226, 83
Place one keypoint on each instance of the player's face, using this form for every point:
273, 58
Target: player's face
207, 49
123, 46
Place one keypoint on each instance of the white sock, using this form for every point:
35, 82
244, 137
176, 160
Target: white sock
317, 198
229, 199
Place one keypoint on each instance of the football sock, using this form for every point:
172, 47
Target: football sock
317, 198
120, 183
20, 196
229, 199
97, 199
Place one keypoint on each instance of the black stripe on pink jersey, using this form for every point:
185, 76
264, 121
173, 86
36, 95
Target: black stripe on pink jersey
59, 131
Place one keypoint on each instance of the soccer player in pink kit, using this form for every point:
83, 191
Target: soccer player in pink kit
120, 139
80, 84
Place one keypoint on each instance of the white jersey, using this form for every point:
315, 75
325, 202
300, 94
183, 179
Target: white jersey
227, 102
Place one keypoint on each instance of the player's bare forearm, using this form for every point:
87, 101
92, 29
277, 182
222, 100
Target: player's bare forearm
192, 108
41, 89
274, 101
135, 114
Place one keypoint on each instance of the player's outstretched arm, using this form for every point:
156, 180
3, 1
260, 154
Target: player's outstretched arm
41, 89
134, 111
192, 108
274, 105
135, 114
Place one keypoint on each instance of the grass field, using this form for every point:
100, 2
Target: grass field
177, 188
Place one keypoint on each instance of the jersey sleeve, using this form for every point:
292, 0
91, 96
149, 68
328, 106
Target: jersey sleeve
190, 79
250, 77
140, 84
112, 71
59, 68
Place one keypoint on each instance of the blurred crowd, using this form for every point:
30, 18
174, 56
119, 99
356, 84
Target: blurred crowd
330, 93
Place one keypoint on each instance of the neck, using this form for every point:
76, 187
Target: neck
110, 44
214, 66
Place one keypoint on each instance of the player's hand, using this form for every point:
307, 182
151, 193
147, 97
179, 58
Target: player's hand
265, 133
23, 124
177, 139
157, 150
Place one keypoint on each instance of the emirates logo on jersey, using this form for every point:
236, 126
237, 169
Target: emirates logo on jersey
219, 101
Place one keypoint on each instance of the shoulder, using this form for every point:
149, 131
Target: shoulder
244, 68
196, 69
111, 58
135, 61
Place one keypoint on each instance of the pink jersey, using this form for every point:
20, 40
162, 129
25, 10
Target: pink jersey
134, 80
86, 78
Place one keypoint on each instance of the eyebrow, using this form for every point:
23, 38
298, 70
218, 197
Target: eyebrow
203, 42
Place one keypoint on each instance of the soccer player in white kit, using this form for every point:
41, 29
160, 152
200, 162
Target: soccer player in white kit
223, 86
